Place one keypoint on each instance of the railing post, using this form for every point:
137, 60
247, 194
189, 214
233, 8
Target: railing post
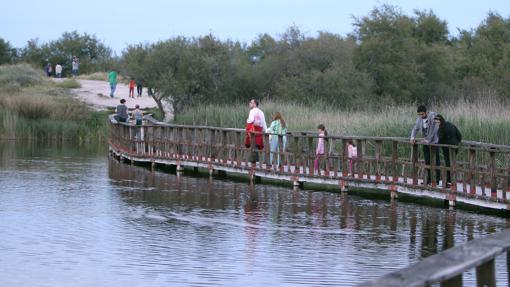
359, 160
472, 174
433, 167
310, 152
414, 163
280, 155
394, 161
378, 146
494, 184
345, 154
453, 168
486, 274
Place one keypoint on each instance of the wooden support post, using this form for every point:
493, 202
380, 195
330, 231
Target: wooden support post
359, 161
394, 161
472, 174
453, 168
344, 158
414, 163
433, 167
486, 274
493, 179
280, 155
378, 146
311, 153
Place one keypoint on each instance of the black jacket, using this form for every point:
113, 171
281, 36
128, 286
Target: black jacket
449, 134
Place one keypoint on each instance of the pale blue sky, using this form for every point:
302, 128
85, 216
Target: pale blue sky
118, 23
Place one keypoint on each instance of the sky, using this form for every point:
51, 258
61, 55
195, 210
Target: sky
119, 23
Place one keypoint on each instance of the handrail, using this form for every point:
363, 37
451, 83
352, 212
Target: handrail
450, 264
481, 145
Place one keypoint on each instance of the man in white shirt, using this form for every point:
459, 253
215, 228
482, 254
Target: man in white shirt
256, 116
256, 122
58, 70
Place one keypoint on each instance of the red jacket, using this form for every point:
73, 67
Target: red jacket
259, 138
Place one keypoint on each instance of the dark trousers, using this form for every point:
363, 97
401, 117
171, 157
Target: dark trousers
446, 155
139, 90
254, 155
426, 155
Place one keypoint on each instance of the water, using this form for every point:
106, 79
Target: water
72, 217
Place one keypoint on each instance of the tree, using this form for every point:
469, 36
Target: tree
7, 52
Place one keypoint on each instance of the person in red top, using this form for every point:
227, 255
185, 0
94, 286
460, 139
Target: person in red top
256, 122
132, 84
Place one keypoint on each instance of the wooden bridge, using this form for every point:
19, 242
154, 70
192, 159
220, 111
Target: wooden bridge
480, 173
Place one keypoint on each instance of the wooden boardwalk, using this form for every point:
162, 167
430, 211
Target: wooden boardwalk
480, 172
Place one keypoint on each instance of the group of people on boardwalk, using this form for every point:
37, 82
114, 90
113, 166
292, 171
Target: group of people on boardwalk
434, 128
122, 114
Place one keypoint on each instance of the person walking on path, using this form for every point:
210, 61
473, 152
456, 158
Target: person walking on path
278, 127
75, 66
58, 71
112, 79
448, 134
122, 112
132, 88
139, 87
426, 124
319, 151
256, 123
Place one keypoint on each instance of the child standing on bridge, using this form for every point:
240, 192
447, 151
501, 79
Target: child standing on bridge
319, 151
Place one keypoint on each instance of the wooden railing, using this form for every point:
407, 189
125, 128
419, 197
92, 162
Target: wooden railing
448, 266
478, 171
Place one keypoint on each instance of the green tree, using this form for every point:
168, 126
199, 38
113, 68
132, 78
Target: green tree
7, 52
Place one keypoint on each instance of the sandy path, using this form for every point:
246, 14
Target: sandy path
97, 95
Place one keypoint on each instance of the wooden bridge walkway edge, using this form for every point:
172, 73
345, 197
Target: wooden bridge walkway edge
343, 183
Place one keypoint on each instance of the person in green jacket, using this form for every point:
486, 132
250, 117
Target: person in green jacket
112, 78
278, 127
448, 134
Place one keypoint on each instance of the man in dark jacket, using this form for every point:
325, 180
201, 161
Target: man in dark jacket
448, 134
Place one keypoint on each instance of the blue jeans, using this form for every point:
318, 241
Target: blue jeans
275, 148
112, 88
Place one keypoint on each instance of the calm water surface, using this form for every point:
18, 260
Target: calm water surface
72, 217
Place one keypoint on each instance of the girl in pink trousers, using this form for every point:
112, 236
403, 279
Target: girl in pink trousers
319, 152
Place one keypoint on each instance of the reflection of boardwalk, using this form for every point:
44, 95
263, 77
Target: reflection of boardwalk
479, 170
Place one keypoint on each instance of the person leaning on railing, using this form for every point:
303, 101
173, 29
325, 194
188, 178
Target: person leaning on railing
448, 134
122, 112
425, 123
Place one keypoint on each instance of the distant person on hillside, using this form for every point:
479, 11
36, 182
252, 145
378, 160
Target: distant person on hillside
58, 71
256, 122
139, 87
132, 88
75, 66
426, 124
319, 151
122, 112
112, 79
278, 127
48, 69
352, 154
448, 134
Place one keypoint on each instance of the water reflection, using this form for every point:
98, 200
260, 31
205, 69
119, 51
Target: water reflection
74, 217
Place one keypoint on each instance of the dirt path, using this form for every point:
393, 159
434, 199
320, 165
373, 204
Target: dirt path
97, 95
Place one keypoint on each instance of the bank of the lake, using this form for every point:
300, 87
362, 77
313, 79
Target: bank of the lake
32, 107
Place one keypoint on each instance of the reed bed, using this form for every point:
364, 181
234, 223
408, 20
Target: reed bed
482, 120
